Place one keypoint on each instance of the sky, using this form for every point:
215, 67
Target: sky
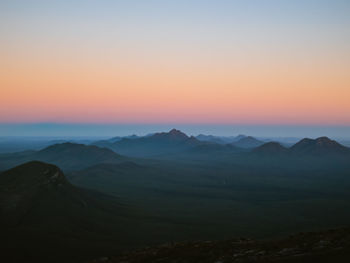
186, 62
82, 130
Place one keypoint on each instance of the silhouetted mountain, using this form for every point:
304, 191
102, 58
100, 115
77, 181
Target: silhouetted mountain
248, 142
44, 216
156, 144
69, 156
319, 146
239, 137
29, 183
311, 147
220, 139
77, 156
271, 148
173, 134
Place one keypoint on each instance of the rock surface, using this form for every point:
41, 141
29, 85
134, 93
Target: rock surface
326, 246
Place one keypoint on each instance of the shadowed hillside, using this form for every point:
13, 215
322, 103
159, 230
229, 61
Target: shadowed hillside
45, 218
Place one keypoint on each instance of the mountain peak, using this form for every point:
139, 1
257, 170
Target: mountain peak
172, 134
176, 132
325, 140
321, 145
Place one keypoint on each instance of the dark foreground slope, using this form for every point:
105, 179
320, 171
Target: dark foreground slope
45, 218
332, 246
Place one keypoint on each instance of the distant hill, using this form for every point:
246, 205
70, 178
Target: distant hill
156, 144
174, 135
239, 137
270, 148
77, 156
319, 146
210, 138
248, 142
69, 156
106, 143
220, 139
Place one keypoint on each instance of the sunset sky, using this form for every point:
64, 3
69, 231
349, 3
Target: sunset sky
183, 61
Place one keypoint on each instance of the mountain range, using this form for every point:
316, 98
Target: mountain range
172, 144
154, 145
175, 142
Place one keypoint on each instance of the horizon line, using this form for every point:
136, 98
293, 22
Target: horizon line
179, 123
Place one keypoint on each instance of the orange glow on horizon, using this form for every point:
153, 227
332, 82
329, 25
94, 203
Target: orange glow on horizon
278, 93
